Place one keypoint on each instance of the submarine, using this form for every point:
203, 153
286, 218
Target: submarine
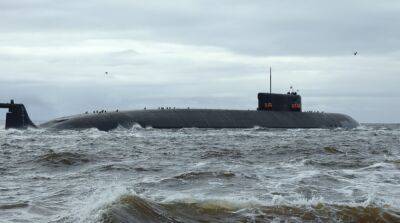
273, 111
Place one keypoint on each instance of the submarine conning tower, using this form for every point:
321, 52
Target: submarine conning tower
279, 102
17, 117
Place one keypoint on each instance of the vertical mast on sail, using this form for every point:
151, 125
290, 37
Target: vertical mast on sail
270, 80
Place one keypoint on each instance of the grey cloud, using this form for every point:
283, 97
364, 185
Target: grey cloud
256, 27
53, 54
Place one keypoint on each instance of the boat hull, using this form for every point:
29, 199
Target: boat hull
203, 118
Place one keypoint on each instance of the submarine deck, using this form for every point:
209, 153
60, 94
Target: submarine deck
203, 118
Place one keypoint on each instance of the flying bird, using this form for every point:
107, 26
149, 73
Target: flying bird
106, 73
355, 53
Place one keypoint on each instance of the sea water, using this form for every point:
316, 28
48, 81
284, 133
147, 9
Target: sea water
201, 175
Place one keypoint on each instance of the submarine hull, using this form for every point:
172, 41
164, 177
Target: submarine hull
203, 118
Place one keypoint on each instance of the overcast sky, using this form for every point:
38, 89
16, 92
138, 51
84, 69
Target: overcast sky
205, 53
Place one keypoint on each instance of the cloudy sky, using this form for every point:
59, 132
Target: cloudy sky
205, 53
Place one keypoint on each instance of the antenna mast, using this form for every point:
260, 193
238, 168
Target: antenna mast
270, 80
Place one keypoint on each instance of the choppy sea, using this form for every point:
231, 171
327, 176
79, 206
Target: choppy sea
201, 175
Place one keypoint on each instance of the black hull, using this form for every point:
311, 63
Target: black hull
203, 118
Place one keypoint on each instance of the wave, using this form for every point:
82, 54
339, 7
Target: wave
206, 174
231, 153
14, 205
338, 163
132, 208
63, 159
124, 167
332, 150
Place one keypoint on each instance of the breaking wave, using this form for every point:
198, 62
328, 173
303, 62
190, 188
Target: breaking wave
132, 208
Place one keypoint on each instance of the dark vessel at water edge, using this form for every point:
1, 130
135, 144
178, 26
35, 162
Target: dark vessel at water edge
274, 111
